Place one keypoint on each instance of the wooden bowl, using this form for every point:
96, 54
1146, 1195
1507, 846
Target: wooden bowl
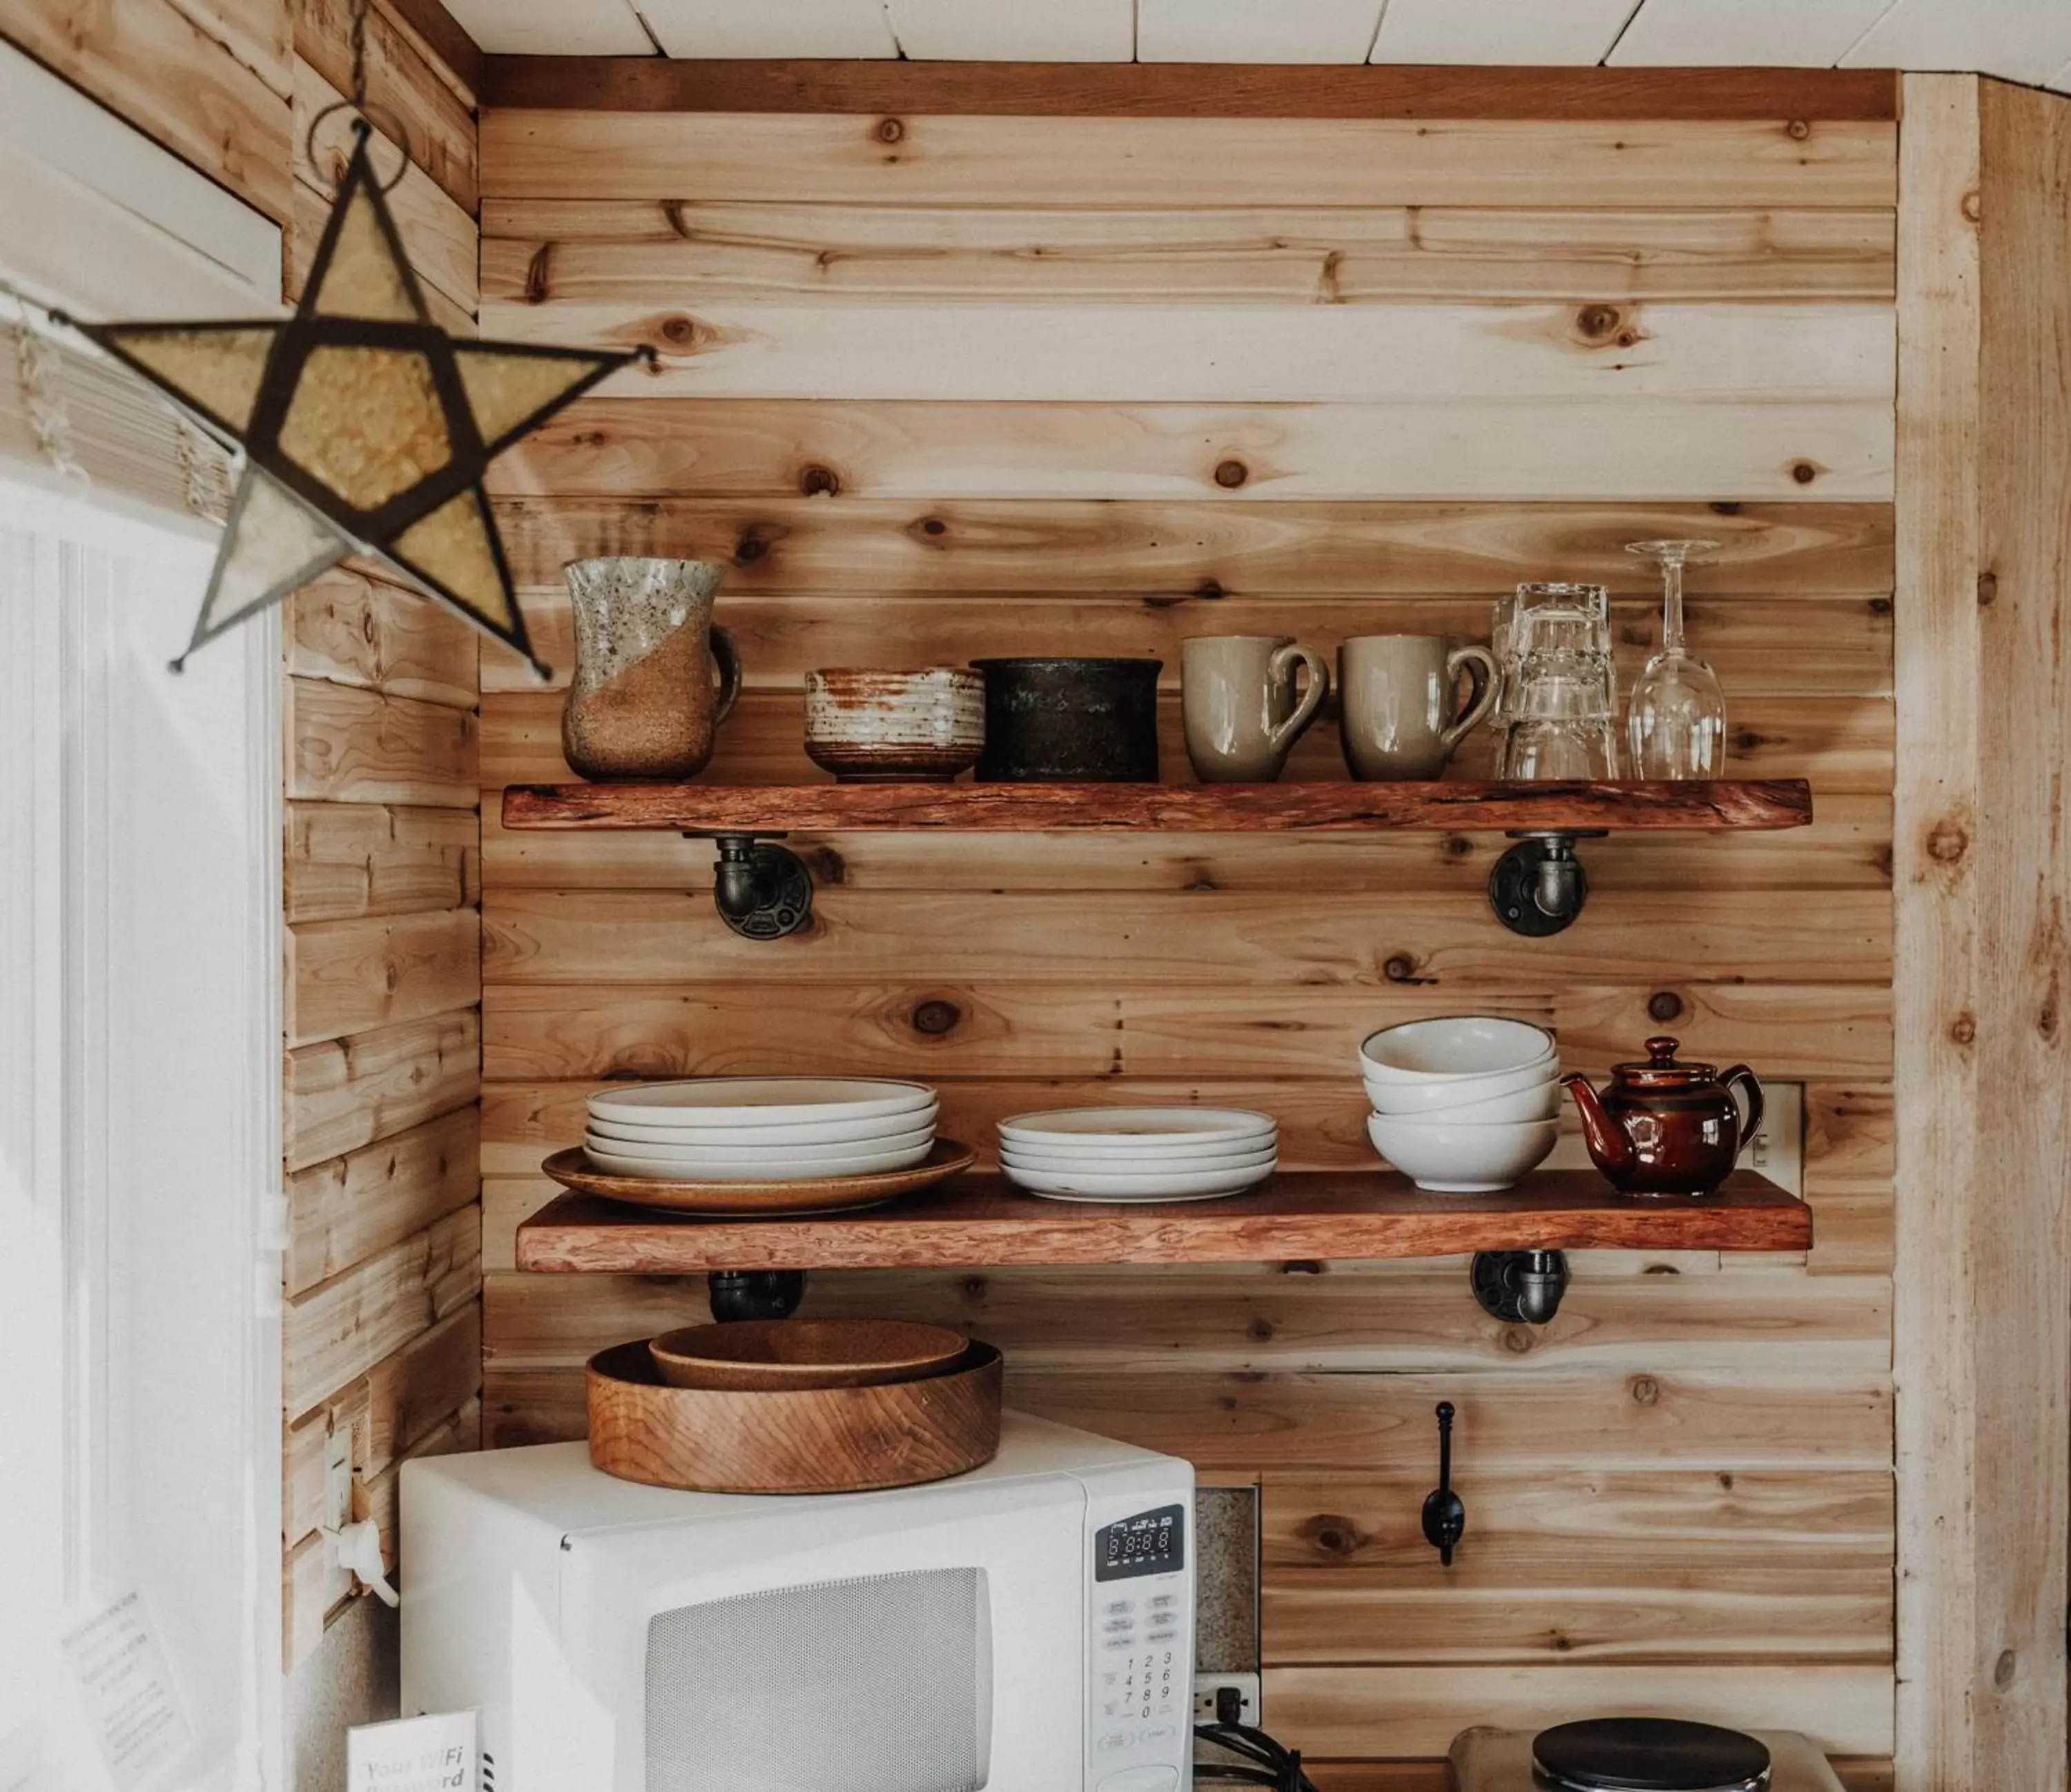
803, 1353
810, 1440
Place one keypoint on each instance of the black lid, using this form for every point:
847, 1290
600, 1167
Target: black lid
1649, 1754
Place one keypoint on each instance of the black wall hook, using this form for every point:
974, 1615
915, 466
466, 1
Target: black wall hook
1445, 1517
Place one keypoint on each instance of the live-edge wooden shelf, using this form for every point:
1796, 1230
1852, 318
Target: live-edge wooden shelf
981, 1221
1449, 806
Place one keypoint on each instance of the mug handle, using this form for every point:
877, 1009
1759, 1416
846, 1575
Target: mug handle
1486, 684
1282, 666
728, 657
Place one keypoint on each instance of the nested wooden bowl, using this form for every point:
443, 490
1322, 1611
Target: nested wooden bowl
814, 1440
803, 1353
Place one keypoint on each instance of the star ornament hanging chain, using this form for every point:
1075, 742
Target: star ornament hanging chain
365, 428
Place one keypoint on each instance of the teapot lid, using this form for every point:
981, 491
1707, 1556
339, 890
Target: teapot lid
1663, 1069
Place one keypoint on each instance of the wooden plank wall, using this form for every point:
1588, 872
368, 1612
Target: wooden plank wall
382, 1328
941, 385
1984, 876
211, 79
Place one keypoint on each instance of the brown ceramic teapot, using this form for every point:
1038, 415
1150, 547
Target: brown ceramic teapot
1665, 1127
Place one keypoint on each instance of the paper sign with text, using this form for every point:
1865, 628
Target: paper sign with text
417, 1754
132, 1704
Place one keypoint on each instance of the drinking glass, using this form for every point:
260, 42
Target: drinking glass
1676, 726
1547, 617
1560, 705
1584, 749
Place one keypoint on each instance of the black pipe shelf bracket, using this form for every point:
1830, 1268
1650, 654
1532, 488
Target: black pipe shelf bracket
1520, 1287
1538, 887
754, 1293
762, 891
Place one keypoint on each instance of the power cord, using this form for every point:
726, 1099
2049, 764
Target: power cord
1260, 1760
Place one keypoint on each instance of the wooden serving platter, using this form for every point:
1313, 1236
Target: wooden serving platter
790, 1197
814, 1440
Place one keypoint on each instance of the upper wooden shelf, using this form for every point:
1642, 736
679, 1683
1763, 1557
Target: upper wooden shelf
981, 1220
1448, 806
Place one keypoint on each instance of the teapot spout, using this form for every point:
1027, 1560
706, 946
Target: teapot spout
1606, 1140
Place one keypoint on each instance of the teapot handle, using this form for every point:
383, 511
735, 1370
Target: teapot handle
1740, 1073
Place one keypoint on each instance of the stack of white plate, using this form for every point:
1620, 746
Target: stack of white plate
760, 1129
1463, 1105
1139, 1153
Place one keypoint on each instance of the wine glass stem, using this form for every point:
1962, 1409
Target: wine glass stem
1672, 603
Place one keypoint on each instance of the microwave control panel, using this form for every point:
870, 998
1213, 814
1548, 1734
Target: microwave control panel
1141, 1736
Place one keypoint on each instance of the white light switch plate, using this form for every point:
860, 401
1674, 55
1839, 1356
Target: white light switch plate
338, 1479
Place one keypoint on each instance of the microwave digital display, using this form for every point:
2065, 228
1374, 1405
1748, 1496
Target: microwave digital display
1150, 1543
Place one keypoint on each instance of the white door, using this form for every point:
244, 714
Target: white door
139, 1153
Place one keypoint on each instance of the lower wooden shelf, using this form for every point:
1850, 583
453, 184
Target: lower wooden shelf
981, 1222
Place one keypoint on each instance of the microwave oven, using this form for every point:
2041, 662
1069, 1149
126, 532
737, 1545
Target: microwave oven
1026, 1627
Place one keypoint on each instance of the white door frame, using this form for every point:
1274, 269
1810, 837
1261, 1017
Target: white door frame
96, 218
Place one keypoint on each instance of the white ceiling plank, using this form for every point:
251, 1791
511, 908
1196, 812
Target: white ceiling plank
2061, 80
1014, 30
2023, 40
1768, 34
1255, 30
1523, 32
737, 28
552, 27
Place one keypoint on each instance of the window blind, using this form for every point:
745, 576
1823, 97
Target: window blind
62, 407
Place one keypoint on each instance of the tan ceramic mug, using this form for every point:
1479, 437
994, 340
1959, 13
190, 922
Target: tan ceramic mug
654, 676
1241, 703
1399, 694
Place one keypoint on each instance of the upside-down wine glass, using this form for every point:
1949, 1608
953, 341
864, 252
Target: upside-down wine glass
1676, 723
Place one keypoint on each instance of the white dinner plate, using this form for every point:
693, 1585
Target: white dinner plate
1135, 1201
807, 1132
1203, 1154
767, 1167
776, 1152
1126, 1127
1174, 1186
1135, 1163
760, 1101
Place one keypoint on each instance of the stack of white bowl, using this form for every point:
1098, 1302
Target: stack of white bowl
1465, 1104
1139, 1153
760, 1129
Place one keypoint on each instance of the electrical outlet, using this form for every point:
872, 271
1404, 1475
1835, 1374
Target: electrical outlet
1778, 1151
1207, 1686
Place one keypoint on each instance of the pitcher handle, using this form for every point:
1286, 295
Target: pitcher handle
728, 658
1740, 1073
1486, 684
1282, 665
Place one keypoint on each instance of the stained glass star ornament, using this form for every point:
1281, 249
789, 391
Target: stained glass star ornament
365, 428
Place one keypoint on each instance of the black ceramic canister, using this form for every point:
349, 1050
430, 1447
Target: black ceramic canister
1070, 720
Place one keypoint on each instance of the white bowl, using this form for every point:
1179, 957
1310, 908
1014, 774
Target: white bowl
1469, 1101
1464, 1159
1134, 1163
1453, 1046
806, 1132
1176, 1185
770, 1166
1126, 1127
760, 1101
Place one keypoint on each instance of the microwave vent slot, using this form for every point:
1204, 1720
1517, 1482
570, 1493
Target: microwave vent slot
882, 1683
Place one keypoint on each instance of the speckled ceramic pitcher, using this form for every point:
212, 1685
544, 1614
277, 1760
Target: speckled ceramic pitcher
654, 677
